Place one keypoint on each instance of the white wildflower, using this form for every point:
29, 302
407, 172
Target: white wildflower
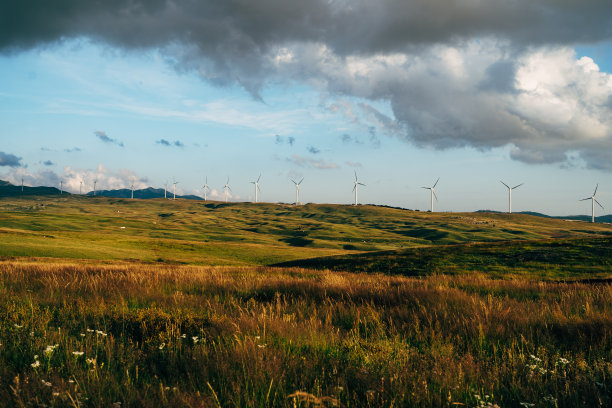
195, 339
35, 364
101, 333
562, 361
18, 326
78, 353
46, 383
534, 358
50, 349
161, 346
82, 334
56, 394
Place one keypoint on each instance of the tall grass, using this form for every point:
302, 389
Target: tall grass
273, 337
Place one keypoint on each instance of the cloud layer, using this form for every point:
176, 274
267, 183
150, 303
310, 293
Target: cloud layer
481, 73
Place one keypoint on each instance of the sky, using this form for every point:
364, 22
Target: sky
400, 92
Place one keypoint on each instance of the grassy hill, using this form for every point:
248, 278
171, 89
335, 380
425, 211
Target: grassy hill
213, 233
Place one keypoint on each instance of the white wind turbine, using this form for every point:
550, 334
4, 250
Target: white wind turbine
226, 188
510, 195
205, 188
132, 189
165, 189
95, 182
22, 184
433, 193
61, 187
174, 183
256, 183
297, 191
356, 187
593, 201
81, 187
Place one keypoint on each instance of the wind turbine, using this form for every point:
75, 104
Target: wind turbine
61, 187
95, 182
297, 191
165, 189
205, 187
22, 184
256, 183
356, 186
132, 189
510, 195
593, 201
81, 187
433, 193
226, 188
174, 183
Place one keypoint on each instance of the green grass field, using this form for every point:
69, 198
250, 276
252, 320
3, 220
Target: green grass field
369, 306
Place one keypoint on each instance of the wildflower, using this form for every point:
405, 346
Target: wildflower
161, 346
50, 349
117, 404
82, 334
195, 339
35, 364
562, 361
18, 326
100, 332
262, 345
77, 353
56, 394
71, 381
257, 337
183, 336
534, 358
543, 371
31, 334
90, 330
91, 361
46, 383
527, 404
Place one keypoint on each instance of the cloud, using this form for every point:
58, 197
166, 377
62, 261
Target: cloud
313, 150
48, 163
103, 137
281, 140
465, 73
10, 160
74, 149
353, 164
308, 162
164, 142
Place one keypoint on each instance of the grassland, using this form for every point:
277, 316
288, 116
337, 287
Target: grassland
240, 336
371, 307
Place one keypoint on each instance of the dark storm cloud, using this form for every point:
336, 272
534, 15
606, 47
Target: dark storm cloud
10, 160
227, 29
104, 137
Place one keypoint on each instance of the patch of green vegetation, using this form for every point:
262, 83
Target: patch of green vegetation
578, 258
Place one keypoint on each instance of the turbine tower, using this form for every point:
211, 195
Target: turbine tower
356, 187
593, 201
95, 182
174, 183
297, 191
510, 195
226, 188
81, 187
205, 187
22, 184
256, 183
165, 189
61, 187
132, 189
432, 189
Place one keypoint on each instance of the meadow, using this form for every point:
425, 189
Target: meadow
183, 310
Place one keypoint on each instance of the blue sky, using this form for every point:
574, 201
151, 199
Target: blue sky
82, 109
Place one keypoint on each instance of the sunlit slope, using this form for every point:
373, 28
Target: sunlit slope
244, 233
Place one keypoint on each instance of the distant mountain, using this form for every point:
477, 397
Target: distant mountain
587, 218
9, 190
144, 193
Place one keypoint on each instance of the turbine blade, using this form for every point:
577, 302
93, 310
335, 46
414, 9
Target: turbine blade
436, 183
588, 198
517, 186
361, 184
355, 174
504, 184
259, 177
434, 193
599, 204
595, 192
354, 187
301, 181
294, 182
426, 188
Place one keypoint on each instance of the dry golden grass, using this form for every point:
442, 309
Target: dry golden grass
256, 336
